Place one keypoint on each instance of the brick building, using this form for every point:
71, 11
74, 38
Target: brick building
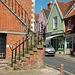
70, 29
12, 27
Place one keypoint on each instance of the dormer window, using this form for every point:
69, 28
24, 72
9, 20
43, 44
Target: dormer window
55, 22
69, 24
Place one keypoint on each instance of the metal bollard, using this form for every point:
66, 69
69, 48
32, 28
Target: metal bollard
61, 69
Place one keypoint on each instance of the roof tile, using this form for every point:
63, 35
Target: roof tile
46, 11
64, 7
36, 17
71, 14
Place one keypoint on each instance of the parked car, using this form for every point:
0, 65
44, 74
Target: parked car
49, 50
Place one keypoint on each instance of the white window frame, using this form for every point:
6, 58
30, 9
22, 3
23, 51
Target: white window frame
54, 27
69, 28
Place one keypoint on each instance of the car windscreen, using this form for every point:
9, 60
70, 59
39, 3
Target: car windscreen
47, 46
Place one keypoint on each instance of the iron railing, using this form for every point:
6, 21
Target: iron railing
19, 47
23, 45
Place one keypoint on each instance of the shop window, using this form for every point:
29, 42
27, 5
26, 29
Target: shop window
61, 43
69, 44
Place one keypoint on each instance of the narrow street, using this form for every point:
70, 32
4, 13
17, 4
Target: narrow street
68, 65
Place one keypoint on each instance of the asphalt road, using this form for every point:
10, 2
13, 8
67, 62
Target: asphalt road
68, 65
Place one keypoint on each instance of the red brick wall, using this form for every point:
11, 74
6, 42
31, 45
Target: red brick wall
27, 5
12, 39
35, 61
9, 22
72, 25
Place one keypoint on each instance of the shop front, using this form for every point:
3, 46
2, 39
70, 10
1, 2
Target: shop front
70, 44
59, 44
68, 48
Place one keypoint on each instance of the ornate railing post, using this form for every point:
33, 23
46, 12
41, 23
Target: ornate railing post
31, 42
27, 43
12, 58
19, 50
23, 46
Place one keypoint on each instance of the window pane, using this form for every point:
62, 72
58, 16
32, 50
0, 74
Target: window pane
69, 24
41, 26
55, 25
55, 22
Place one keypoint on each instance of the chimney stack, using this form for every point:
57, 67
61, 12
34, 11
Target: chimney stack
50, 5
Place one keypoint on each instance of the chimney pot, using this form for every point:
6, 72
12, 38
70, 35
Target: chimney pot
50, 4
50, 1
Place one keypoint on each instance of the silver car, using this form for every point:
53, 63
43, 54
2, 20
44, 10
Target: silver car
49, 50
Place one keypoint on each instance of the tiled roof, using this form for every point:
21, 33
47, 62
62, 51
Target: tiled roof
36, 17
64, 7
71, 14
46, 11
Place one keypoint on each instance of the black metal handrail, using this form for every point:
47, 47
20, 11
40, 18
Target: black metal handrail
19, 10
22, 44
17, 46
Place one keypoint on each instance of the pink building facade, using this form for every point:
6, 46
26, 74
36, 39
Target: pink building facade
42, 20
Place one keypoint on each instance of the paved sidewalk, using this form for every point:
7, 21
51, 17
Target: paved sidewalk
45, 71
65, 57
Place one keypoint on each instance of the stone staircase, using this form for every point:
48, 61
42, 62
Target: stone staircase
28, 52
3, 63
28, 58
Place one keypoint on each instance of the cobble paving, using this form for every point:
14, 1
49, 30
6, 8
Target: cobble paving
45, 71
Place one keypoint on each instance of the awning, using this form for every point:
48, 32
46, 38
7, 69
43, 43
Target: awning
70, 35
48, 38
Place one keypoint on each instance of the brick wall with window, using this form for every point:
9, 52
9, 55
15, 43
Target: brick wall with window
70, 25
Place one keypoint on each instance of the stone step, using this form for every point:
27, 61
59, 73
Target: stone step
27, 55
39, 46
1, 68
8, 68
15, 66
23, 59
43, 43
31, 52
4, 62
34, 49
3, 65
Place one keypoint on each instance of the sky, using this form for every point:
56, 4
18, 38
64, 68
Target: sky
43, 3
